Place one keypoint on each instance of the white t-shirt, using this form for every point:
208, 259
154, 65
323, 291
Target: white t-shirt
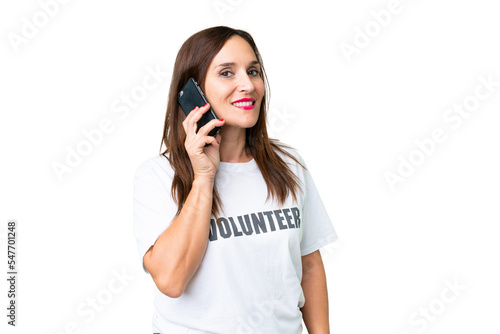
249, 278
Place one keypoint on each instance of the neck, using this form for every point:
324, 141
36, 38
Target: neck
232, 145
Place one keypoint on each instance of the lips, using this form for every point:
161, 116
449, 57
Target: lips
246, 103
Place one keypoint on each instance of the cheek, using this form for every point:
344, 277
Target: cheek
219, 95
259, 87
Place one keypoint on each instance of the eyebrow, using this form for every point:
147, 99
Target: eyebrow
255, 62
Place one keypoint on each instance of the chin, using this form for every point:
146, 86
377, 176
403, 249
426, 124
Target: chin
243, 124
249, 121
245, 119
251, 124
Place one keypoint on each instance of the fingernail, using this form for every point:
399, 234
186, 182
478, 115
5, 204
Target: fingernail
221, 119
206, 104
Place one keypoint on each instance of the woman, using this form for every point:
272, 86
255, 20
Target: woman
230, 227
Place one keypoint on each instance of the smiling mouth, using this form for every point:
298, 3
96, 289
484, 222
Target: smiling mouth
243, 104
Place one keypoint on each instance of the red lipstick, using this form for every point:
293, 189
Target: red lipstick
244, 100
245, 103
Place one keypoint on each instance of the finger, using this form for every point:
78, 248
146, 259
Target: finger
199, 142
190, 123
212, 141
187, 123
198, 112
205, 129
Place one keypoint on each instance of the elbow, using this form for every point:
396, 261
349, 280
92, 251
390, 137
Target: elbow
172, 292
169, 287
166, 280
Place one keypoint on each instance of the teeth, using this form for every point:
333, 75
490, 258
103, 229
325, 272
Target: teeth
243, 104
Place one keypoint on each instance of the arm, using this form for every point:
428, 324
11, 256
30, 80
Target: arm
178, 251
315, 309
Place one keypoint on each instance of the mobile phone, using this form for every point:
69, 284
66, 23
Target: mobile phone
190, 97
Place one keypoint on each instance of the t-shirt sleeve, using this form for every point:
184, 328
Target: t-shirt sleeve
154, 208
318, 230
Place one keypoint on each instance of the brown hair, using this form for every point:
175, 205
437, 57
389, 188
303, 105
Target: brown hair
193, 59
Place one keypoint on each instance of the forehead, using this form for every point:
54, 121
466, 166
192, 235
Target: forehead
235, 50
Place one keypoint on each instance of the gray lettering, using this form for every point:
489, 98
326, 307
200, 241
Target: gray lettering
258, 223
236, 232
213, 230
280, 219
246, 228
288, 217
226, 231
296, 216
269, 215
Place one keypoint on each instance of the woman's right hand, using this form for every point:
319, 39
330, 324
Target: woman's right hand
204, 159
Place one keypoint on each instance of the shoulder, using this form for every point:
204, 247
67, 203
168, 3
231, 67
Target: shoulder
157, 166
289, 154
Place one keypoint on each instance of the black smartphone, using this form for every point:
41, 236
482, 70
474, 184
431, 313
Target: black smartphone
190, 97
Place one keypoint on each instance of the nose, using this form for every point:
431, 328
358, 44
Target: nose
244, 83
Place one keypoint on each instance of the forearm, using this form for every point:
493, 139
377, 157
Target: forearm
178, 251
315, 309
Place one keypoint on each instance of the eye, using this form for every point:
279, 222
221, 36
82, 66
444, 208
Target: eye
225, 73
253, 73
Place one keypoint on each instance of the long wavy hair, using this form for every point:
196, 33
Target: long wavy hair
193, 60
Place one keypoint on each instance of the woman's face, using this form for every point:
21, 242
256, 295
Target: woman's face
233, 85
